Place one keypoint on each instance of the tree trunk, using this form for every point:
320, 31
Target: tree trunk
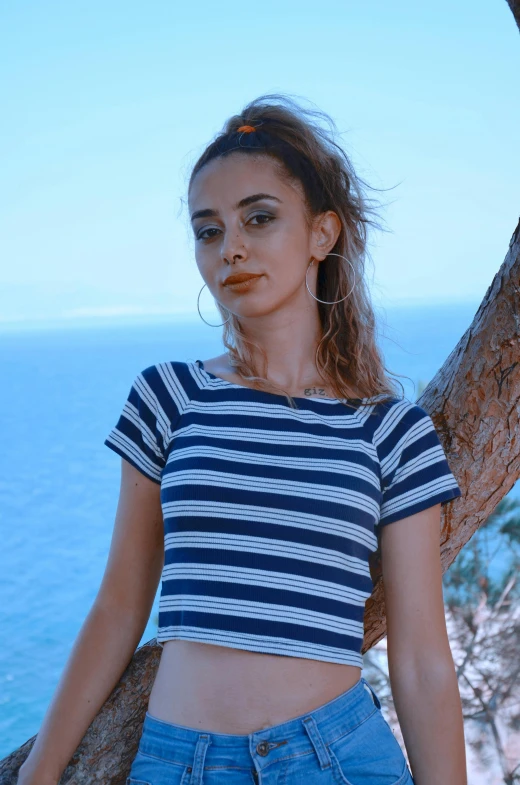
474, 402
514, 5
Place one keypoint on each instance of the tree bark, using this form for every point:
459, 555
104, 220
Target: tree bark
514, 5
474, 402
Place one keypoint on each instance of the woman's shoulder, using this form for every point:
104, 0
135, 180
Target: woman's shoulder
399, 418
393, 408
399, 407
169, 379
165, 369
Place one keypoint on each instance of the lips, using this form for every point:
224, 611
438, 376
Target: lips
239, 278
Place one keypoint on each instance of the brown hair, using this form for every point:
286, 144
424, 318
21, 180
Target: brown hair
347, 355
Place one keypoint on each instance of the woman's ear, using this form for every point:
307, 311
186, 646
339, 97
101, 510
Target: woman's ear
326, 230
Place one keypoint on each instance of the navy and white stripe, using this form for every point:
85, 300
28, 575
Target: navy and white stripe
270, 512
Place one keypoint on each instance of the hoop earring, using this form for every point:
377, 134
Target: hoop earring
201, 316
334, 301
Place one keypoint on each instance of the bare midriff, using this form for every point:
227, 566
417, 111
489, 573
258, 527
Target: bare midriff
226, 690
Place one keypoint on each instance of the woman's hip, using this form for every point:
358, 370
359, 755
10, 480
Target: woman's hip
345, 741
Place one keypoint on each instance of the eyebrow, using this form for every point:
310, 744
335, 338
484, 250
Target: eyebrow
209, 213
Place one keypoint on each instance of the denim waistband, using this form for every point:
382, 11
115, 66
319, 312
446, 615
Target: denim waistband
300, 735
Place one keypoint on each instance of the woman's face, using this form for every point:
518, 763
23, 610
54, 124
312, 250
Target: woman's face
243, 211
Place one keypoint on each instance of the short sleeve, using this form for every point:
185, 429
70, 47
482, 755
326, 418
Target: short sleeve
415, 473
141, 433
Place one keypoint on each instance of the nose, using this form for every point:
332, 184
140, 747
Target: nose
233, 248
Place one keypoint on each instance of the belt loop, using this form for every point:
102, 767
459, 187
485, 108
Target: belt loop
372, 693
199, 758
317, 742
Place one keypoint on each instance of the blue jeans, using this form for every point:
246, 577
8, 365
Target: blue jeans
346, 741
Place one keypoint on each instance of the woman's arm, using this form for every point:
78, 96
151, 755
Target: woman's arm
421, 668
111, 632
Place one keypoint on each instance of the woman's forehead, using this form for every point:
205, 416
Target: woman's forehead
226, 177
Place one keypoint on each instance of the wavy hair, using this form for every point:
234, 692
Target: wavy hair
347, 355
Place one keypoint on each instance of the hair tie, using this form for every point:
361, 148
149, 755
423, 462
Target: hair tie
246, 129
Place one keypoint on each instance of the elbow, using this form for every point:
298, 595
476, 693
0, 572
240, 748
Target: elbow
426, 665
427, 672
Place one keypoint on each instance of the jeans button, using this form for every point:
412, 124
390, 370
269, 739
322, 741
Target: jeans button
262, 748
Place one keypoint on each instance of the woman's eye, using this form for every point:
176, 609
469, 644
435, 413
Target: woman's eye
262, 218
201, 234
263, 215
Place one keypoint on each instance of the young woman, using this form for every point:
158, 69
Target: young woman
257, 484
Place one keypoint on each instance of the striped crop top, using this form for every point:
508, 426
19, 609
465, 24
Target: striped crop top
270, 512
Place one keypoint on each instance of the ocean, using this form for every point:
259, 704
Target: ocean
63, 388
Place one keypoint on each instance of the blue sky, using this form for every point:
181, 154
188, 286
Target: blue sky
106, 106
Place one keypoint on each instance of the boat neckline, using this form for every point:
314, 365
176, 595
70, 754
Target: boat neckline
200, 366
